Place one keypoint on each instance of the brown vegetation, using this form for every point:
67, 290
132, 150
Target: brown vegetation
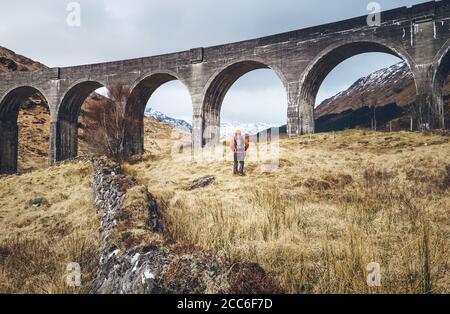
47, 220
333, 206
10, 62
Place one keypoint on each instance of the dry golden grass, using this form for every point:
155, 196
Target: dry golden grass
34, 130
47, 220
330, 208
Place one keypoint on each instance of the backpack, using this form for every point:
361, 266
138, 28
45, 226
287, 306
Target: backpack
240, 144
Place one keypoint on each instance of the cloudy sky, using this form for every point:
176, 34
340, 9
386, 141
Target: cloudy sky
116, 29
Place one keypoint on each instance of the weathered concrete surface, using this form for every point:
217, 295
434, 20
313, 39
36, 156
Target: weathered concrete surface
301, 59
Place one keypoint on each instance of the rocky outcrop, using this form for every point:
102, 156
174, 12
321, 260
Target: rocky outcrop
201, 183
10, 61
138, 257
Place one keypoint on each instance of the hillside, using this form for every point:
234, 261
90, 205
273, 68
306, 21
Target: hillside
10, 62
161, 117
390, 85
391, 90
333, 204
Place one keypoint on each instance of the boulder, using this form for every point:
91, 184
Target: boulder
201, 183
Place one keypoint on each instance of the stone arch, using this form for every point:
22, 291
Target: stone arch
218, 86
140, 93
9, 131
442, 65
66, 127
316, 72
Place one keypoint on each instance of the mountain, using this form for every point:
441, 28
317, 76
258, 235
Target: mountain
390, 90
159, 116
227, 129
394, 84
10, 62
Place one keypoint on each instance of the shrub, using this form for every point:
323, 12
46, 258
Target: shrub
38, 202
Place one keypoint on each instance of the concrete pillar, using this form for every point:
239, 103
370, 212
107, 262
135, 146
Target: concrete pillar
52, 144
134, 139
197, 118
205, 123
428, 109
293, 110
306, 118
300, 110
63, 140
293, 121
211, 127
438, 85
138, 143
9, 144
197, 131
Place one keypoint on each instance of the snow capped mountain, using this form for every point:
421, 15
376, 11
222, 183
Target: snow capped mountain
394, 73
227, 129
394, 84
159, 116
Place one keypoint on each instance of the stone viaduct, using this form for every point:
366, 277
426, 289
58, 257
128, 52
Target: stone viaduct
302, 59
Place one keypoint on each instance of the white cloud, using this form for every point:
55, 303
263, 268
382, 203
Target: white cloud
269, 105
172, 99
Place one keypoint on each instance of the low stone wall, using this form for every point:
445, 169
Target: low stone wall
118, 271
159, 265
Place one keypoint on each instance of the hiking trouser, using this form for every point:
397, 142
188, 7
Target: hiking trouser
238, 163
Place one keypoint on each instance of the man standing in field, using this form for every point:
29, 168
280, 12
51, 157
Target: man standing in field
239, 146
